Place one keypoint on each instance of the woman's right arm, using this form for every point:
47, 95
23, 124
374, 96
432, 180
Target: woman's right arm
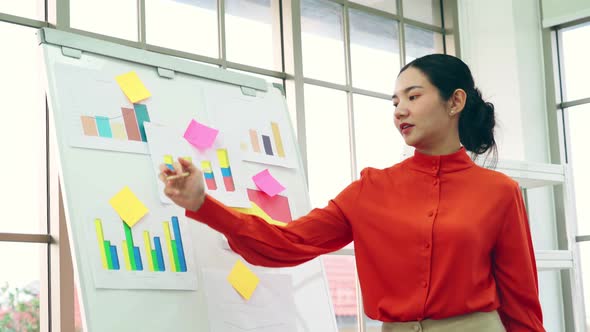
260, 243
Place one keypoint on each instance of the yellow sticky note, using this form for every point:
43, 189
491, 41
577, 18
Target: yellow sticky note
243, 280
133, 87
128, 206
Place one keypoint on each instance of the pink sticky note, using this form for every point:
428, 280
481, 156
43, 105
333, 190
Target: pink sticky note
199, 135
267, 183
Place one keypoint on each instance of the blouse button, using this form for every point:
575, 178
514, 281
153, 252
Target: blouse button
431, 213
435, 182
424, 284
427, 245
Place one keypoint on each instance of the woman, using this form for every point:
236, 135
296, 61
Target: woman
441, 244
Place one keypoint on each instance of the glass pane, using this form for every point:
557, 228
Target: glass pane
385, 5
575, 62
328, 148
579, 118
253, 33
378, 143
322, 40
425, 11
33, 9
551, 298
22, 264
116, 18
22, 132
184, 25
374, 51
585, 264
341, 274
420, 42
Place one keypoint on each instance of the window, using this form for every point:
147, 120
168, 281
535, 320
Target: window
575, 107
253, 33
188, 26
115, 18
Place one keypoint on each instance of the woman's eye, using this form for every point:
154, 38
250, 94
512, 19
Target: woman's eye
413, 97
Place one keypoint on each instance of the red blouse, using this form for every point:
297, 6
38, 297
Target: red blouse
434, 237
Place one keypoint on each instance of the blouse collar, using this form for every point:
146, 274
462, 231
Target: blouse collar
454, 162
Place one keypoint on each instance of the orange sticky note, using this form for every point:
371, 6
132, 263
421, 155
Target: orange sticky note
132, 87
243, 280
128, 206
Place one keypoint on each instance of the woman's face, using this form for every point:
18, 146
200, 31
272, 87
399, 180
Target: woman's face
421, 116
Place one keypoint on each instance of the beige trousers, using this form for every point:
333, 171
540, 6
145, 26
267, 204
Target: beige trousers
477, 322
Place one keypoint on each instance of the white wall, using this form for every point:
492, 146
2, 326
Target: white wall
501, 42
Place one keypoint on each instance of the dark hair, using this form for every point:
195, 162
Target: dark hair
476, 122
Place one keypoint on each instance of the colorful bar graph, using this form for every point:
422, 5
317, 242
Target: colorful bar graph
254, 140
267, 146
108, 252
228, 179
104, 127
208, 174
131, 124
142, 116
131, 129
267, 142
154, 254
276, 133
89, 125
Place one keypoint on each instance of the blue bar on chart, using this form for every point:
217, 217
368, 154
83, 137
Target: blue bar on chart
142, 116
267, 145
179, 246
104, 126
159, 254
114, 257
138, 264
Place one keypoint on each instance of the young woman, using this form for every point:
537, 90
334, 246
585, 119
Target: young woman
441, 244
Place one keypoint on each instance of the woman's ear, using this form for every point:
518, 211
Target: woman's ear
457, 102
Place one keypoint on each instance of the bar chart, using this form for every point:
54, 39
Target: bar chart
263, 144
130, 129
153, 249
226, 174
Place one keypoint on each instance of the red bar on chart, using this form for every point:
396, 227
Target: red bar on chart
208, 174
131, 124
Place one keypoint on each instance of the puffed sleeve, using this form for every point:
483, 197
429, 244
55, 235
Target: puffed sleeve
515, 270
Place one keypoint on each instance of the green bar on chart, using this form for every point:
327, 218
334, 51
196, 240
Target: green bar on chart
129, 247
176, 260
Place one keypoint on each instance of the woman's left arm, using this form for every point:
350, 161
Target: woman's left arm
515, 270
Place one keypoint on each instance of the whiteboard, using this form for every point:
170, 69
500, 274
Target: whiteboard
129, 291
